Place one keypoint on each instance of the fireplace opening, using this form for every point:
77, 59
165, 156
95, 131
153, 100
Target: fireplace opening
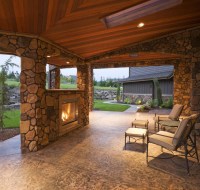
69, 112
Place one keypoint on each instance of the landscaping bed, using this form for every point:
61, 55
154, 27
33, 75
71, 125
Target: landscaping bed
8, 133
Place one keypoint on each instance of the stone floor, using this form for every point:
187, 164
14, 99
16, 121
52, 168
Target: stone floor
94, 158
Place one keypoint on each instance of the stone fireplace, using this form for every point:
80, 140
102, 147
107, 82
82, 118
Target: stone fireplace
68, 113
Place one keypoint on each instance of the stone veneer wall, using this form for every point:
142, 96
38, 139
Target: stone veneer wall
36, 128
91, 88
183, 85
51, 117
32, 90
83, 84
185, 43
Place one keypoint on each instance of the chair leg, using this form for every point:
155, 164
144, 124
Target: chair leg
125, 142
147, 153
195, 147
161, 149
186, 158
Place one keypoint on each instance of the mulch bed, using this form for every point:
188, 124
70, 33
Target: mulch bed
8, 133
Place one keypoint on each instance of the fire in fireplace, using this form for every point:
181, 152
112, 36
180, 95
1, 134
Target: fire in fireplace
69, 111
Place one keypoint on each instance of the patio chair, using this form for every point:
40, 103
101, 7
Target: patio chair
173, 116
182, 137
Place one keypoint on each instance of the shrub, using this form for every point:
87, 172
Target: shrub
127, 100
168, 103
138, 101
144, 108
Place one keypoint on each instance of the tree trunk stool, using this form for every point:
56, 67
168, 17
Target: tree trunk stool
136, 133
140, 123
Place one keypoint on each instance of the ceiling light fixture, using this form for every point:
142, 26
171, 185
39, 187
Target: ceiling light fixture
140, 25
67, 62
48, 56
138, 11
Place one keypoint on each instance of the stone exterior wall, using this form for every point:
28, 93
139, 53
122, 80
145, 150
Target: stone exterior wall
105, 94
143, 98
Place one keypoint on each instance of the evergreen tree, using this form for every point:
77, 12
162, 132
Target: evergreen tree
118, 92
157, 92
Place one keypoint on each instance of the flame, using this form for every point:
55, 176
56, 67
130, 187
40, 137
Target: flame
65, 116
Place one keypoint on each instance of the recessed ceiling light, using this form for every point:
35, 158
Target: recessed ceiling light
48, 56
67, 62
140, 25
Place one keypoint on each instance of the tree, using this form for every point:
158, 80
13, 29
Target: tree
118, 92
4, 88
94, 81
157, 92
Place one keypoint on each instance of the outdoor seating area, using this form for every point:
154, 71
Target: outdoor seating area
65, 139
94, 158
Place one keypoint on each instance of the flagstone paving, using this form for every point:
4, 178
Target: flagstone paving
93, 157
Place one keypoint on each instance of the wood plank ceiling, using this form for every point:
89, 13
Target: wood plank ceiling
75, 24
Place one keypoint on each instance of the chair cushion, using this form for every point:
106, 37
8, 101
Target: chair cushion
176, 112
140, 122
163, 138
136, 132
182, 128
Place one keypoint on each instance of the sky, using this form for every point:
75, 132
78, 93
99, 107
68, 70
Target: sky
98, 73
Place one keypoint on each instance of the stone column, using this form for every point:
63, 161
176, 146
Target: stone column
32, 89
91, 88
195, 97
183, 85
54, 77
83, 84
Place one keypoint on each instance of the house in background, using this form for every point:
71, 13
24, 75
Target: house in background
139, 86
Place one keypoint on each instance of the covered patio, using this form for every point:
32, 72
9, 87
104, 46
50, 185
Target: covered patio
87, 151
93, 157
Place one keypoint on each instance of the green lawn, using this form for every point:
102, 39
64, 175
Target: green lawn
65, 86
104, 88
12, 83
99, 105
13, 119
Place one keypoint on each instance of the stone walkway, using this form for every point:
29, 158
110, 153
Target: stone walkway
93, 157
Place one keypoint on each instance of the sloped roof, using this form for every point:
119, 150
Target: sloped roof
149, 73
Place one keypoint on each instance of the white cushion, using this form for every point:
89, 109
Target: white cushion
136, 132
162, 138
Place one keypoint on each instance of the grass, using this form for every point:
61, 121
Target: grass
13, 83
104, 88
13, 120
99, 105
62, 85
68, 85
